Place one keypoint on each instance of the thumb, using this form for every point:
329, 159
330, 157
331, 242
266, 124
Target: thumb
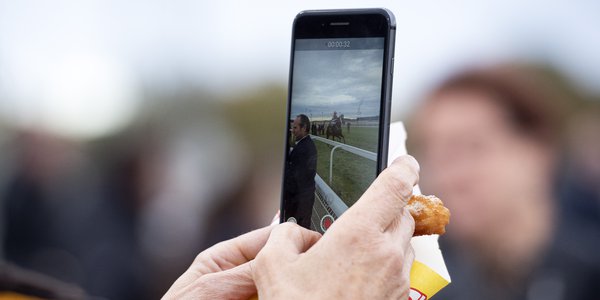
385, 199
286, 242
290, 239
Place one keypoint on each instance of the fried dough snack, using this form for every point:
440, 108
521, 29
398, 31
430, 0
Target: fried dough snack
429, 213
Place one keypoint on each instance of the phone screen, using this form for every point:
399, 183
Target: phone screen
335, 116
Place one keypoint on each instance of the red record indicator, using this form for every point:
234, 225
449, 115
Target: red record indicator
326, 221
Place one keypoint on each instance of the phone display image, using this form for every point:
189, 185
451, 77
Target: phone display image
335, 112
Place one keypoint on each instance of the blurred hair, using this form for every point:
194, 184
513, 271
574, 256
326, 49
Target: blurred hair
304, 121
536, 99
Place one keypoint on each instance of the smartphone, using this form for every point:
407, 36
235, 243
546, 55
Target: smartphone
340, 87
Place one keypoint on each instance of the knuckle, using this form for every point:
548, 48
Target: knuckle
315, 234
311, 236
408, 161
201, 258
259, 262
410, 221
404, 189
287, 227
401, 179
398, 185
266, 262
262, 258
352, 239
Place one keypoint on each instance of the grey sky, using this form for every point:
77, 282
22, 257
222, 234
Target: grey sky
342, 80
114, 49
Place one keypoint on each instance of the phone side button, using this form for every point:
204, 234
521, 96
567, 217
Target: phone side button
392, 67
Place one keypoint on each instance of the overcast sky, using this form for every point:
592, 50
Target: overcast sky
80, 65
337, 80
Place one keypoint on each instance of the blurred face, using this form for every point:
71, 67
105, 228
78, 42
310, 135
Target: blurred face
483, 169
297, 130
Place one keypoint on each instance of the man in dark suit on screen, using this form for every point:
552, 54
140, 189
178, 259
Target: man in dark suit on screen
300, 171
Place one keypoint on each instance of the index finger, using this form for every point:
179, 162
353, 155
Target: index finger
224, 256
388, 194
291, 239
231, 253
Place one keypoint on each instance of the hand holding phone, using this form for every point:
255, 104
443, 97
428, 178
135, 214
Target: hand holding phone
366, 254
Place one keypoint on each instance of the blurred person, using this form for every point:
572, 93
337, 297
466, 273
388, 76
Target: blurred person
489, 143
300, 171
250, 204
18, 283
175, 167
582, 170
99, 214
58, 221
190, 173
334, 119
287, 261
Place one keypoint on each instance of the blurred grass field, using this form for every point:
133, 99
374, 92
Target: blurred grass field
352, 174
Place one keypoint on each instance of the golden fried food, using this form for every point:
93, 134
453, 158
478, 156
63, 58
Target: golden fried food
429, 213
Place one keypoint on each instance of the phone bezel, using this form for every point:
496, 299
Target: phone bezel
377, 22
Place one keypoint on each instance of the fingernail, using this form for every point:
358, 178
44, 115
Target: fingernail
416, 190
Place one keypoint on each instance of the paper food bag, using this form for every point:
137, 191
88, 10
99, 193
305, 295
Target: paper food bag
429, 273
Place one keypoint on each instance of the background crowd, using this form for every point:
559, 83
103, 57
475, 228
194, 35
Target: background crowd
133, 136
